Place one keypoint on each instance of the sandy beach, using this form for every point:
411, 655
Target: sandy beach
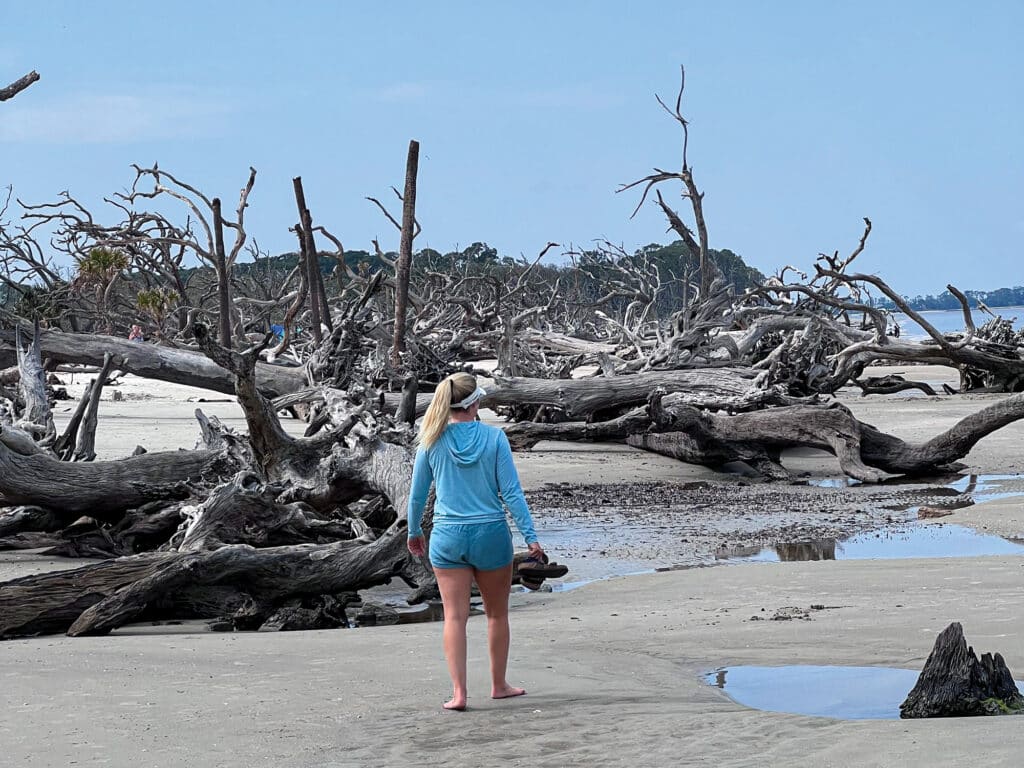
615, 669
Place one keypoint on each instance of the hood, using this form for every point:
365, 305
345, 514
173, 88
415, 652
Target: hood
465, 442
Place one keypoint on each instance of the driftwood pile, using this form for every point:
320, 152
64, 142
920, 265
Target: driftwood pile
247, 525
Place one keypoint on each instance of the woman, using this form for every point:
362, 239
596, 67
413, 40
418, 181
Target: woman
470, 465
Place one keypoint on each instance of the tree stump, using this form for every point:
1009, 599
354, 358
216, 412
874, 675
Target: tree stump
955, 683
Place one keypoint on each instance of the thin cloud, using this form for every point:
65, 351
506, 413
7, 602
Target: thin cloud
588, 96
584, 96
404, 93
114, 118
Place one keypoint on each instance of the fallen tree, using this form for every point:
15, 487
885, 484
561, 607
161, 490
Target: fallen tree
671, 426
151, 361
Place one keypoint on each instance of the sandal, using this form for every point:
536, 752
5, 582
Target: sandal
532, 571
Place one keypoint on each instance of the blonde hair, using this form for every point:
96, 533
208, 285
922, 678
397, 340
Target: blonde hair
452, 389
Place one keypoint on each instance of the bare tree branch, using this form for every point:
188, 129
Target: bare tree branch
18, 86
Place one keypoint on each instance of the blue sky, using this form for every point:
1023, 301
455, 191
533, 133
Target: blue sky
806, 116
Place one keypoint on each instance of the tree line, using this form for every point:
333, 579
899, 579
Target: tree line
1000, 297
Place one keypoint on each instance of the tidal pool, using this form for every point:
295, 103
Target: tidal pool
906, 541
846, 693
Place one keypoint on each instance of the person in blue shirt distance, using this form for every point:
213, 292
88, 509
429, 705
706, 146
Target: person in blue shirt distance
470, 465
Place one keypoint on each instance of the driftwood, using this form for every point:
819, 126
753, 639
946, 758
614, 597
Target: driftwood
890, 385
36, 416
119, 591
583, 398
16, 520
956, 683
669, 425
178, 366
19, 85
102, 489
271, 524
306, 476
85, 444
864, 452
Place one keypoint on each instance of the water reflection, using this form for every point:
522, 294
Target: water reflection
908, 541
822, 549
846, 693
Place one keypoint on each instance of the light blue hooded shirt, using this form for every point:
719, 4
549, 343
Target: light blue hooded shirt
472, 470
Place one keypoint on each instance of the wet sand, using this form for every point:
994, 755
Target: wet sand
614, 668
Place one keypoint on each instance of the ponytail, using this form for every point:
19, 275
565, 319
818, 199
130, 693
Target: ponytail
436, 418
435, 421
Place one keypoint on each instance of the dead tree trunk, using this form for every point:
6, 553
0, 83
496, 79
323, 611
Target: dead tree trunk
222, 268
85, 445
955, 683
179, 366
307, 247
36, 418
405, 253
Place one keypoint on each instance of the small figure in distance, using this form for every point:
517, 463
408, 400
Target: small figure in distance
469, 463
136, 334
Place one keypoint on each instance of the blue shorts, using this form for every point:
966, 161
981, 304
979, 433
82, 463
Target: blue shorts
483, 546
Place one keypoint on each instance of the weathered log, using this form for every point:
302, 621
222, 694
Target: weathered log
150, 361
320, 612
149, 526
275, 574
30, 540
733, 389
580, 398
893, 455
50, 602
864, 452
36, 417
25, 519
956, 683
714, 439
890, 385
192, 585
246, 511
86, 538
103, 489
524, 435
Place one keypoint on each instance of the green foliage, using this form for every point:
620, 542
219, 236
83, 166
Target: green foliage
674, 259
101, 264
1001, 297
35, 303
1002, 707
157, 302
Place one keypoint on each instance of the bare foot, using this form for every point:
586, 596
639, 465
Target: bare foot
455, 704
506, 692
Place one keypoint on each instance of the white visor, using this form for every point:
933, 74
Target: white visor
470, 399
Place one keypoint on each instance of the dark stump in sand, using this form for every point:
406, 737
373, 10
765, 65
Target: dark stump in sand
955, 683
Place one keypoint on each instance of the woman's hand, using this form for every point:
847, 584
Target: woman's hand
536, 551
417, 546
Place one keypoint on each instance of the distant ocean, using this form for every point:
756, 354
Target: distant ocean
950, 321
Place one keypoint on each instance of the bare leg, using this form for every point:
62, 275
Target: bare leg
455, 585
494, 588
